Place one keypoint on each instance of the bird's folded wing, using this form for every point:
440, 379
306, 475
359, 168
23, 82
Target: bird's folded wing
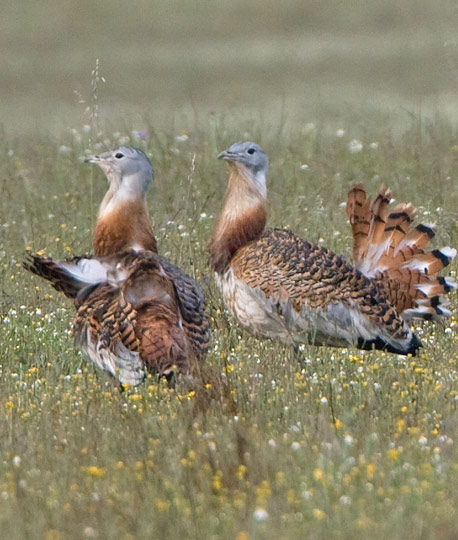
287, 268
192, 307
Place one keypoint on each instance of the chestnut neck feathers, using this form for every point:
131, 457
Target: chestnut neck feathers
126, 226
243, 217
123, 220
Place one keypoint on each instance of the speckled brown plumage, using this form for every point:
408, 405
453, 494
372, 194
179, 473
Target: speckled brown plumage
164, 346
191, 304
281, 263
150, 306
106, 319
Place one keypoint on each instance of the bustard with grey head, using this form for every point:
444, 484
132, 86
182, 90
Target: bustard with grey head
136, 311
280, 286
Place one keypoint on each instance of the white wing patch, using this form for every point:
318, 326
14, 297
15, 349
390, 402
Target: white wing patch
90, 271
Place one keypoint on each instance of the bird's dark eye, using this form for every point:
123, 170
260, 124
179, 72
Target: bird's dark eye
251, 150
118, 155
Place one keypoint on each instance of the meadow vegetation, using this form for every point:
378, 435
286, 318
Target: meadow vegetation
342, 444
339, 445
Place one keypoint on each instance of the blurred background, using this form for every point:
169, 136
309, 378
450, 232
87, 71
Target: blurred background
162, 60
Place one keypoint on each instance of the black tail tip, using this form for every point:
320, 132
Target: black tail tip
414, 345
381, 345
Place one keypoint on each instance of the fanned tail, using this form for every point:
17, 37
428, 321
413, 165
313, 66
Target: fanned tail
390, 250
368, 221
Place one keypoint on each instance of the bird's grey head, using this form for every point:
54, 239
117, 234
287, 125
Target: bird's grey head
125, 164
249, 154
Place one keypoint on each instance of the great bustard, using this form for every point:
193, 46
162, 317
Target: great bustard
280, 286
136, 311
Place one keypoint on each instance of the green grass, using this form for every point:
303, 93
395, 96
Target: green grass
342, 445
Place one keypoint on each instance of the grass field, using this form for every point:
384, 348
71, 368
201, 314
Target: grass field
343, 445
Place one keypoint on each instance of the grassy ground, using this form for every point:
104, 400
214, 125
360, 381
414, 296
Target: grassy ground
342, 445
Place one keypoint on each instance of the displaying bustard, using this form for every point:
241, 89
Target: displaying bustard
280, 286
135, 310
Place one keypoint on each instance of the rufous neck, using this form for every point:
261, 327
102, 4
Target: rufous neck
242, 218
123, 226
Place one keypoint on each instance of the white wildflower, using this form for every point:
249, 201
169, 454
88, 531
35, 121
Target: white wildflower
355, 146
348, 440
89, 532
260, 514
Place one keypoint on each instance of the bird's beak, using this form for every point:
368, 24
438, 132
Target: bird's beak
226, 155
92, 159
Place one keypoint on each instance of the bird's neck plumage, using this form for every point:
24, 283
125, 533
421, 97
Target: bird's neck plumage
242, 219
123, 221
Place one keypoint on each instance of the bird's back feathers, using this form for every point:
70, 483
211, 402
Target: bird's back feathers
135, 311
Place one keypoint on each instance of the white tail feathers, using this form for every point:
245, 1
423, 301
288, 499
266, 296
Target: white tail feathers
431, 263
434, 289
389, 249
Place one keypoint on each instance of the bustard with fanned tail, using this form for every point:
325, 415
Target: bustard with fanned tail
280, 286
